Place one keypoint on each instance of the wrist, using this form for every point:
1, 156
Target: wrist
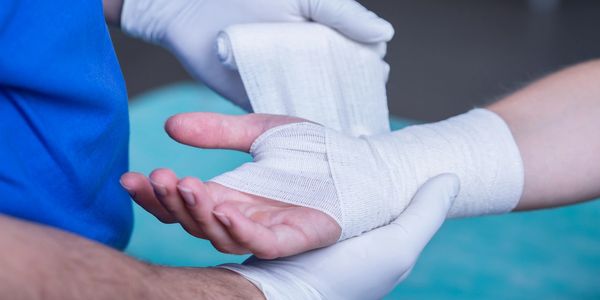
477, 146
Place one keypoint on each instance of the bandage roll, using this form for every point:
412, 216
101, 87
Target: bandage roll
310, 71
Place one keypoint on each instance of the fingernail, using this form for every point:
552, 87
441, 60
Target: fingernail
129, 190
187, 195
223, 218
159, 189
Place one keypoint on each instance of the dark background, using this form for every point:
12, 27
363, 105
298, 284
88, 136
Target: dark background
447, 56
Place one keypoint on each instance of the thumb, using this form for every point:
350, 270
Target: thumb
211, 130
350, 18
428, 209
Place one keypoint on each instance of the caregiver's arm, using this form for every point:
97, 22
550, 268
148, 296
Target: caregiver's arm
38, 262
556, 124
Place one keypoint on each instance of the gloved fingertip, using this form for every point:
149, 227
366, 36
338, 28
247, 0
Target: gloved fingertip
370, 31
452, 184
455, 187
378, 29
386, 30
351, 19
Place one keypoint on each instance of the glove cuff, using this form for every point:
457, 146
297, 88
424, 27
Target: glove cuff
273, 284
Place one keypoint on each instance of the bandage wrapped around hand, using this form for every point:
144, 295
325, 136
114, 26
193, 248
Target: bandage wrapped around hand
366, 182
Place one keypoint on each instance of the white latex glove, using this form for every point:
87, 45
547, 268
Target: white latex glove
364, 267
189, 29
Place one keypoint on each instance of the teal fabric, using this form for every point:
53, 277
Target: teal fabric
551, 254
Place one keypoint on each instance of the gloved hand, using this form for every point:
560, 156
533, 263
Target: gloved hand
189, 29
364, 267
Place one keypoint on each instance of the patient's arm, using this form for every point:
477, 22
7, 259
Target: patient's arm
555, 122
38, 262
271, 229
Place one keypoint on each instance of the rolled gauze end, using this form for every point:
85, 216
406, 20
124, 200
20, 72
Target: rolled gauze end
310, 71
225, 51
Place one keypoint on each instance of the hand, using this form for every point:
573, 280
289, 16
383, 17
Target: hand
189, 29
233, 221
364, 267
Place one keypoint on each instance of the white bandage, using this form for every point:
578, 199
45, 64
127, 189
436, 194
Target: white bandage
308, 70
367, 182
478, 146
359, 173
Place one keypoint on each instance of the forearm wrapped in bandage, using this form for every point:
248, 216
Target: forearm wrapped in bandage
366, 182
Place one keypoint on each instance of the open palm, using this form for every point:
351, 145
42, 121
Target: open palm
235, 222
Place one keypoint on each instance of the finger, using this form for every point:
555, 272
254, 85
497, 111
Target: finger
260, 240
350, 18
210, 130
428, 210
164, 182
199, 203
140, 190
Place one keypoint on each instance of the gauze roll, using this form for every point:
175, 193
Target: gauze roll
310, 71
366, 182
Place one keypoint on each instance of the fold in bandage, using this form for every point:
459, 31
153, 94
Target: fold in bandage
310, 71
353, 169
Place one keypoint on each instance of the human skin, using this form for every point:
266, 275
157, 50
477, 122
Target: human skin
40, 262
554, 122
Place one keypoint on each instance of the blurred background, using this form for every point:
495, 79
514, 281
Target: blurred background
446, 57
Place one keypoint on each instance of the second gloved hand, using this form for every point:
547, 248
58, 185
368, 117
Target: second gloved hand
365, 267
189, 29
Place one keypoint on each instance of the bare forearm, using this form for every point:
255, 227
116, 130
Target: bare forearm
206, 283
38, 262
556, 124
112, 11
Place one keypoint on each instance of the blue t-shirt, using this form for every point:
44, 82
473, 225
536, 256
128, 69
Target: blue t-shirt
63, 119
